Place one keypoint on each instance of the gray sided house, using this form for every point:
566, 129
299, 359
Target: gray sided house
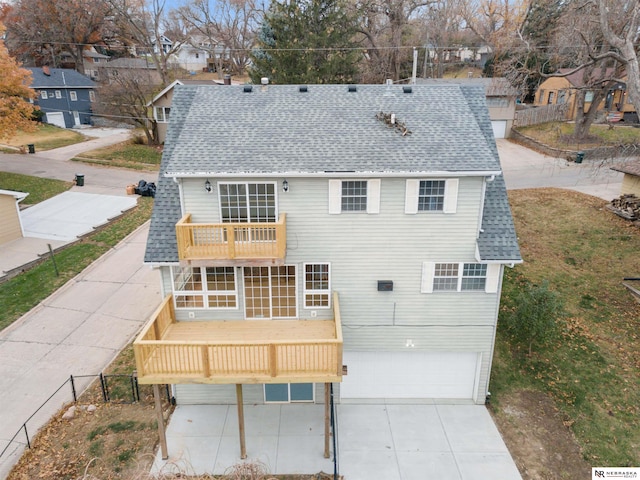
63, 95
306, 235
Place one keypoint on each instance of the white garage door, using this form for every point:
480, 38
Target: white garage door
56, 118
499, 128
409, 375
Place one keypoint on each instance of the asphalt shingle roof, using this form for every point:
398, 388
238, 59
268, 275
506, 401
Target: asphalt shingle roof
59, 78
216, 131
277, 129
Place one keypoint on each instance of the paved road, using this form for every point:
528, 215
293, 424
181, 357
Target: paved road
83, 326
56, 164
525, 168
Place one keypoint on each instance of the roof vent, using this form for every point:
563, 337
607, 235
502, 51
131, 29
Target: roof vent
247, 89
303, 89
46, 71
264, 81
352, 88
406, 89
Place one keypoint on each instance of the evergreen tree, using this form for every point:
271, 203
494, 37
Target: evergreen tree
306, 41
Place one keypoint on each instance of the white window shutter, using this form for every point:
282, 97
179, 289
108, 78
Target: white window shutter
335, 197
411, 197
493, 277
428, 270
373, 196
450, 195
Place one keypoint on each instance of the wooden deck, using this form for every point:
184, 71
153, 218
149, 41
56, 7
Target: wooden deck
239, 351
239, 242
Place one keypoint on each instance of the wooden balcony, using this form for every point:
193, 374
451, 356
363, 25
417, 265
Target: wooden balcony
238, 351
259, 243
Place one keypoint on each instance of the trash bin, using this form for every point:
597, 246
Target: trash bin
79, 180
32, 148
579, 157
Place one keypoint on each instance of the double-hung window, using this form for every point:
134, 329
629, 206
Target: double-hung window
358, 196
459, 277
247, 202
162, 114
431, 196
43, 94
58, 94
205, 287
317, 286
73, 96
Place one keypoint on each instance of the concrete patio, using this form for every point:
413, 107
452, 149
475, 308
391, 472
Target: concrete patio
394, 442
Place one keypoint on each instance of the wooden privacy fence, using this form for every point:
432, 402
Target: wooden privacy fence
261, 240
543, 114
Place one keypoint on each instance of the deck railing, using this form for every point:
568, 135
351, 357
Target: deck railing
160, 360
197, 241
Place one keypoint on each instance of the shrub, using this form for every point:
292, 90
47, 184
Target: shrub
532, 313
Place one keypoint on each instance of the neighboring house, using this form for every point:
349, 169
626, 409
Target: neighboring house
563, 90
64, 95
631, 178
161, 103
10, 216
143, 67
300, 229
91, 62
500, 96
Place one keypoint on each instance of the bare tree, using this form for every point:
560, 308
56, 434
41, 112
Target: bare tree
45, 28
144, 23
229, 27
384, 25
625, 16
495, 22
124, 99
443, 33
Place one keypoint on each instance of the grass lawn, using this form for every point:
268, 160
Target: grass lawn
125, 155
39, 189
592, 370
46, 137
23, 292
555, 133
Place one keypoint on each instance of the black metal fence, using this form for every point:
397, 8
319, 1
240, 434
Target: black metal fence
114, 388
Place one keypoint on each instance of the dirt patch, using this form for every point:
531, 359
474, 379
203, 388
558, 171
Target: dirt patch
539, 438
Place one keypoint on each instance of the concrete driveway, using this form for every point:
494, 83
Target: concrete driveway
391, 442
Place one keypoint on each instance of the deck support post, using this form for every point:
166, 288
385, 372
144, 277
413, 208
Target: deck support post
327, 417
161, 432
243, 448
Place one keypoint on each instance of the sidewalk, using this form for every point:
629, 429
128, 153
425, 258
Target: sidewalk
78, 330
83, 326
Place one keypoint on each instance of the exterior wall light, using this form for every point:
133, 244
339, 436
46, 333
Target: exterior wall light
285, 186
207, 186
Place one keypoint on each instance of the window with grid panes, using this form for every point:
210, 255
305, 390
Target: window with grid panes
316, 285
218, 290
431, 196
445, 277
459, 277
247, 202
354, 196
474, 276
